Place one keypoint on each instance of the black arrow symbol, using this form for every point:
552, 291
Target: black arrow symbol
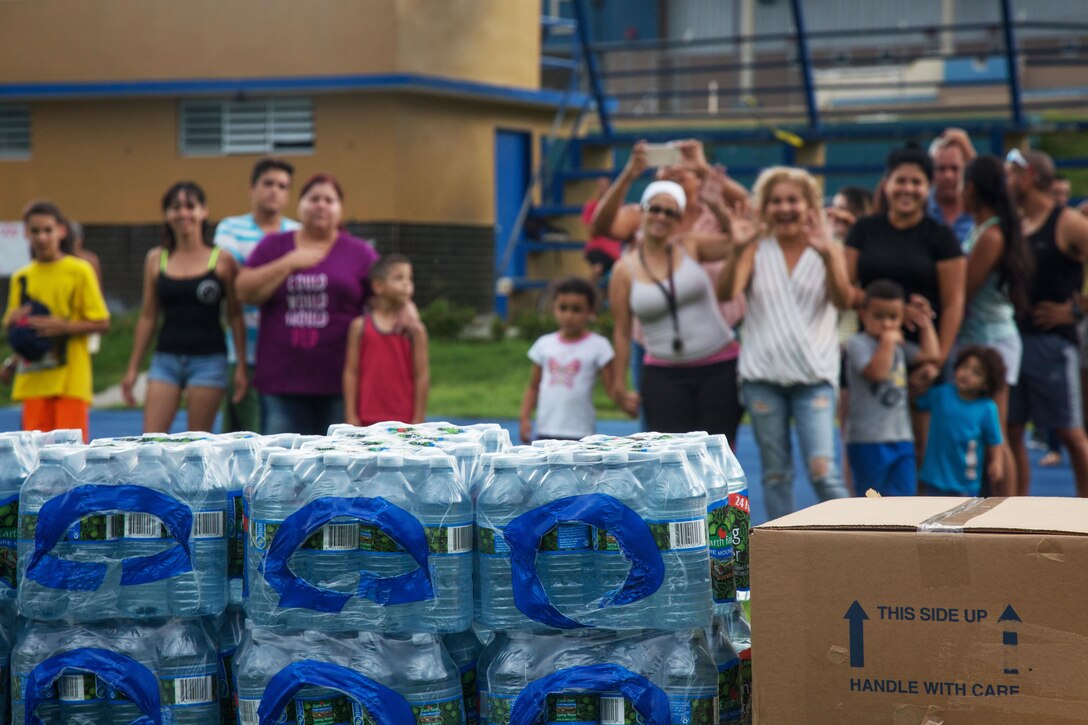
857, 617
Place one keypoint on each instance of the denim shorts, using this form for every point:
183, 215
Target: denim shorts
203, 371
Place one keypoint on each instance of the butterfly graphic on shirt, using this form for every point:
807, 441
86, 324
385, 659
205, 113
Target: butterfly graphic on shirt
560, 374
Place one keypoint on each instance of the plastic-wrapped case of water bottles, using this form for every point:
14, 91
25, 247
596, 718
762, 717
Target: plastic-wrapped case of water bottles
616, 533
116, 672
339, 579
125, 529
368, 529
357, 677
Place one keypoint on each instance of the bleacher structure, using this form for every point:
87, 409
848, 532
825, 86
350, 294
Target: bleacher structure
851, 78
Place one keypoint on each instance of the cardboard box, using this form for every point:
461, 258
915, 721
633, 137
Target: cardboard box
922, 611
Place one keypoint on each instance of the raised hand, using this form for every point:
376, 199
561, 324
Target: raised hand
636, 162
818, 232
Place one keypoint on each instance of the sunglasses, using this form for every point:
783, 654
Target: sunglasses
655, 209
1017, 159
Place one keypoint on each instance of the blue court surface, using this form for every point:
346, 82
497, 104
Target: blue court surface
1056, 481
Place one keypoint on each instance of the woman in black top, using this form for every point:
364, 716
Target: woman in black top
187, 280
906, 246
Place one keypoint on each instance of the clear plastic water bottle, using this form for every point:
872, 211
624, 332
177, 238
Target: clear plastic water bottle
611, 566
740, 522
564, 556
255, 664
532, 465
270, 500
49, 479
504, 496
202, 591
427, 678
379, 555
512, 667
442, 504
13, 472
188, 662
468, 457
97, 538
464, 649
676, 512
242, 465
730, 705
231, 627
144, 534
474, 493
719, 531
134, 639
690, 679
329, 559
740, 634
32, 645
487, 656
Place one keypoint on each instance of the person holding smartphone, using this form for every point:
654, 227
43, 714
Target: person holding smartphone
706, 221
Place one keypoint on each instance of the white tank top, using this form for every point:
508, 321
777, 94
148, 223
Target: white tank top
700, 324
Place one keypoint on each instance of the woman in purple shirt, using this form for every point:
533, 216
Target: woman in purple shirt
310, 285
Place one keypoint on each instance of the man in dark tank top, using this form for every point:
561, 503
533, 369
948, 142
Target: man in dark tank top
1048, 392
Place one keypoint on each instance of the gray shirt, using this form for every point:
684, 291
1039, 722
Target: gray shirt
879, 411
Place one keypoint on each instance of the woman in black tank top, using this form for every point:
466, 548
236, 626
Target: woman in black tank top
187, 280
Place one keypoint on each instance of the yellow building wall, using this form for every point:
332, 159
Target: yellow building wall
399, 157
93, 40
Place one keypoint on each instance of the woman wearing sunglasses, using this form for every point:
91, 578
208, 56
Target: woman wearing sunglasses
795, 280
685, 380
702, 227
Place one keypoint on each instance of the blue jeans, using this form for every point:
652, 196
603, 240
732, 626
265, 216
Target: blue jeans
305, 414
812, 408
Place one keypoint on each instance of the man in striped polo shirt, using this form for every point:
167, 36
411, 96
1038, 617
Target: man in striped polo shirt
269, 190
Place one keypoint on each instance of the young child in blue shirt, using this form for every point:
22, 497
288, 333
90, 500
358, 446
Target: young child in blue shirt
964, 433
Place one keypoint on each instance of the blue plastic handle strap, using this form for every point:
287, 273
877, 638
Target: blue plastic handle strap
398, 524
649, 700
383, 705
59, 513
636, 541
119, 671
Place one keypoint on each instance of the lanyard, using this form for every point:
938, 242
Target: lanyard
670, 297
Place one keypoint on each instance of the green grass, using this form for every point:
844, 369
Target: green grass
487, 380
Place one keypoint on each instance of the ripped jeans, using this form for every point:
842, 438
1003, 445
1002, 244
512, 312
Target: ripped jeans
812, 408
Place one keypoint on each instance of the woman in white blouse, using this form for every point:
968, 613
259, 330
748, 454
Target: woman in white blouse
795, 281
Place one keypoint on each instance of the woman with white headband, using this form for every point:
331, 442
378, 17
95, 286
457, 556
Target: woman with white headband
795, 281
703, 229
685, 382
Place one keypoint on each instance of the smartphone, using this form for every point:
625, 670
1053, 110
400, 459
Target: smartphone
662, 154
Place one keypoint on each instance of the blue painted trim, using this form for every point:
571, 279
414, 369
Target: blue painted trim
308, 84
806, 64
581, 15
1015, 100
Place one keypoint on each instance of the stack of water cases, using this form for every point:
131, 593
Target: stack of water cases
359, 577
121, 561
612, 572
388, 575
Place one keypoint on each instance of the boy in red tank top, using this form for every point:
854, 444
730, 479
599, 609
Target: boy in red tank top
387, 373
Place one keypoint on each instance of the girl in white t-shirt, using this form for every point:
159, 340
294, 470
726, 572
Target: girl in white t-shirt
565, 368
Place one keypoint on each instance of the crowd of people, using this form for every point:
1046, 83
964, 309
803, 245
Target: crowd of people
319, 326
934, 318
